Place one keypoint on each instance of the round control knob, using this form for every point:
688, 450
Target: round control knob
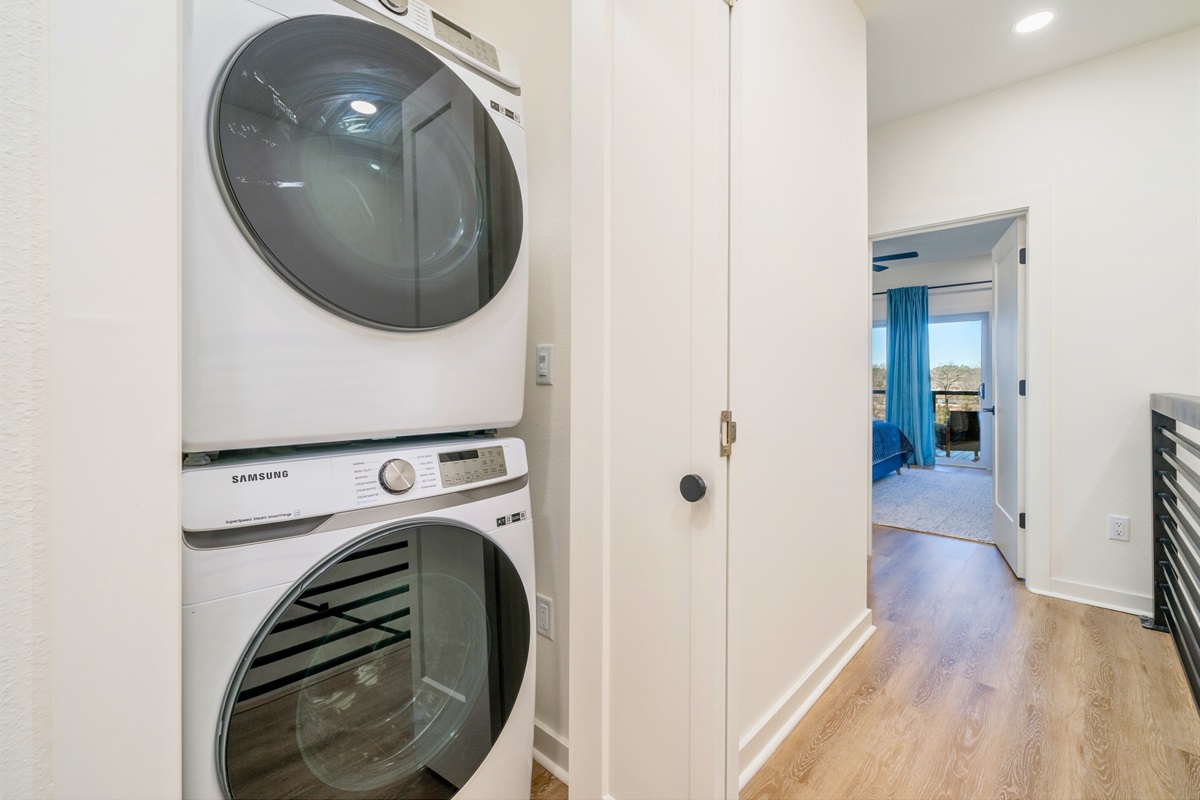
395, 6
397, 476
692, 487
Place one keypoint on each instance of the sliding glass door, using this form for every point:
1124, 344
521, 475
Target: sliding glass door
960, 369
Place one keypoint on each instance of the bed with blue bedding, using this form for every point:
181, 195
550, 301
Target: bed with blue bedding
890, 449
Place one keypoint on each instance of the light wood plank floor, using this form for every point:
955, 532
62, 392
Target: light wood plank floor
546, 786
974, 687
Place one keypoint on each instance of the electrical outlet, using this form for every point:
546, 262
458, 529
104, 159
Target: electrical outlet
1118, 528
545, 616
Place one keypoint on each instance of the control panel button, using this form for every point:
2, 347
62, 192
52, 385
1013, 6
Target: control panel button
397, 476
462, 467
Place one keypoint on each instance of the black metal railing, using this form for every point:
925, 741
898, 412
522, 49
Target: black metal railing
1176, 513
357, 607
944, 394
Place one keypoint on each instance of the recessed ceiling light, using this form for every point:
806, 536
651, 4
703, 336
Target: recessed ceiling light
363, 107
1033, 22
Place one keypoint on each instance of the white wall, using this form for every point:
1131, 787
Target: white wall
962, 300
91, 401
538, 33
799, 497
114, 73
1110, 148
25, 499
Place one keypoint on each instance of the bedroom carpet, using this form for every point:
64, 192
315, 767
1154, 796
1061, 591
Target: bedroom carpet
950, 501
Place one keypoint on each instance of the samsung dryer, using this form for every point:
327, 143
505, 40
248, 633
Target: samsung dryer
357, 622
355, 257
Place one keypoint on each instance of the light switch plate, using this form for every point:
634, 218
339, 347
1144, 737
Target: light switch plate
543, 364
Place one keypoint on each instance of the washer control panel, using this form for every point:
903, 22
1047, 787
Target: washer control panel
397, 476
278, 488
471, 466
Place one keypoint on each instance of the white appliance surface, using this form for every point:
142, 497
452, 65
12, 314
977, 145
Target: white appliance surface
243, 578
270, 360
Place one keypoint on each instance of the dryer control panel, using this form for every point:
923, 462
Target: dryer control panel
417, 16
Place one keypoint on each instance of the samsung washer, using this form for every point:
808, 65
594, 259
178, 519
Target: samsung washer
355, 249
358, 623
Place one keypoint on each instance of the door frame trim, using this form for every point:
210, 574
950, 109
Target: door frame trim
591, 378
1035, 203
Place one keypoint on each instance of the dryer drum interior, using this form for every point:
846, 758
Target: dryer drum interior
389, 671
367, 173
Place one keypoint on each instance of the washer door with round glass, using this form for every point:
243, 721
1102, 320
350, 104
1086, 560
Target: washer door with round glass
389, 671
367, 173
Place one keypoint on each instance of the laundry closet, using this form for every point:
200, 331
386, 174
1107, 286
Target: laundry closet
718, 206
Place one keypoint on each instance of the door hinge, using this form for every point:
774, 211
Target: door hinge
728, 433
1021, 520
1021, 256
1021, 388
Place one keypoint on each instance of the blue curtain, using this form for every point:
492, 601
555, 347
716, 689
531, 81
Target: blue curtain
909, 401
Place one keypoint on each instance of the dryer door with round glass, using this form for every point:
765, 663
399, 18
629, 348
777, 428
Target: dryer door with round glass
367, 173
389, 671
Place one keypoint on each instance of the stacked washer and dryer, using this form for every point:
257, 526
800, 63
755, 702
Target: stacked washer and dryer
358, 560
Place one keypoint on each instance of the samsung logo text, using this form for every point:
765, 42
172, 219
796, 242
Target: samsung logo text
259, 476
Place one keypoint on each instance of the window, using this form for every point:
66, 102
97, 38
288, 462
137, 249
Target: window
878, 369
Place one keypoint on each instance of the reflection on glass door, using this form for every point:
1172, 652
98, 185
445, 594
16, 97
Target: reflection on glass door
389, 671
367, 174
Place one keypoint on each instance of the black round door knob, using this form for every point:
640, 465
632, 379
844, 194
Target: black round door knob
692, 487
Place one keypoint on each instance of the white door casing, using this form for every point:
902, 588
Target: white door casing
1008, 358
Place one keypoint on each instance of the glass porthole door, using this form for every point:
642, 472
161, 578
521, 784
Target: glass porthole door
366, 173
388, 672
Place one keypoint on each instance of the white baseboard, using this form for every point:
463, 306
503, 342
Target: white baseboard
769, 733
551, 750
1126, 602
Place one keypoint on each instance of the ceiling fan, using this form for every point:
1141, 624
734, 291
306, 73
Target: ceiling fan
878, 265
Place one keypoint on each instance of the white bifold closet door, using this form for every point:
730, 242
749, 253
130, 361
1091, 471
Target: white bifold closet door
719, 262
649, 317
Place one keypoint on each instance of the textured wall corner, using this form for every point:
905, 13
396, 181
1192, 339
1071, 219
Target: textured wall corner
25, 733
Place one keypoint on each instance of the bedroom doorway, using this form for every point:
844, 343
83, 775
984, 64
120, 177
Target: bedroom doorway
955, 305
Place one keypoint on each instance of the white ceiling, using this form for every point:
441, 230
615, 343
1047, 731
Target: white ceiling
951, 244
922, 54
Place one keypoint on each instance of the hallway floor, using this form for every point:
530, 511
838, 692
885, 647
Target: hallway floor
973, 686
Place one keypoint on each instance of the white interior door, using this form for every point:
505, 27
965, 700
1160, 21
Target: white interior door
1008, 356
649, 381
